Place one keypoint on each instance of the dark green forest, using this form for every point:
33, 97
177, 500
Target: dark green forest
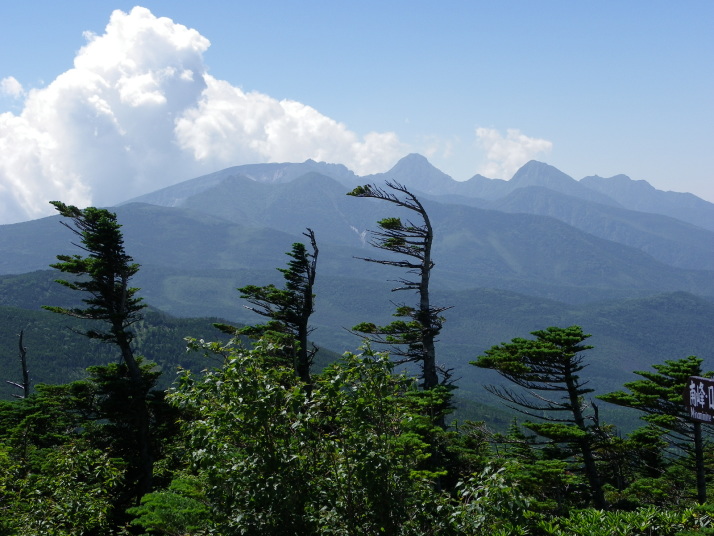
199, 426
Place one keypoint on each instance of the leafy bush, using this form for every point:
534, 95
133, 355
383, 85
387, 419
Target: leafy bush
647, 521
279, 461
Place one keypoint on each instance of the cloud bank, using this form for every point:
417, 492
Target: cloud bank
138, 112
505, 155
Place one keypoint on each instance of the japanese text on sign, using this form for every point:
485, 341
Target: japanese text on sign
699, 399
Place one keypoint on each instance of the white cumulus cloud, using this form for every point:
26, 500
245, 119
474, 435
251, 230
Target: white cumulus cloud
138, 112
228, 123
11, 87
504, 155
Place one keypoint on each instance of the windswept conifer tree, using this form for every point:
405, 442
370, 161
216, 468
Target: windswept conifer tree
104, 274
550, 364
414, 338
660, 396
287, 309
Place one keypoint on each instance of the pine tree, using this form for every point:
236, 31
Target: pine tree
413, 339
287, 309
104, 274
660, 395
551, 363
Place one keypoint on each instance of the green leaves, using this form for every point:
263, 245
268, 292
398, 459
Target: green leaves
645, 520
550, 362
73, 494
660, 395
274, 460
391, 224
179, 510
362, 191
490, 503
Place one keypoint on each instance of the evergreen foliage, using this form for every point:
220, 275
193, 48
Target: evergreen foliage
551, 364
288, 310
414, 338
259, 455
660, 396
103, 275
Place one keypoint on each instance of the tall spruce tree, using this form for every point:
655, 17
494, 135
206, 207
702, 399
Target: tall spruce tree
551, 363
104, 273
287, 309
660, 396
414, 338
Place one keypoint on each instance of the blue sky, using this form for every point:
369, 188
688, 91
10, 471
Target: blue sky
478, 87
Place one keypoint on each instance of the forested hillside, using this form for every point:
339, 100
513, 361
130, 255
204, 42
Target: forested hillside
628, 334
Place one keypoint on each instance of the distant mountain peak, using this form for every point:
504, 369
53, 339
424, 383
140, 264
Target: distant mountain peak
416, 172
415, 158
336, 171
622, 181
539, 173
536, 173
416, 163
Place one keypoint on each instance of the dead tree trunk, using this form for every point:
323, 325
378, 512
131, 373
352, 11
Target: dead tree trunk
25, 385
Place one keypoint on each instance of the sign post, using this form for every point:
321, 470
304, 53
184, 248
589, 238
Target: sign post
699, 405
699, 399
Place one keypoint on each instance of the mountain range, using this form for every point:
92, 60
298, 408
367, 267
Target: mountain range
633, 265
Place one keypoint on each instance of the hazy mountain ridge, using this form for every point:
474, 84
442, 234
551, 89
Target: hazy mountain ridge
642, 196
474, 247
667, 239
273, 173
416, 172
228, 221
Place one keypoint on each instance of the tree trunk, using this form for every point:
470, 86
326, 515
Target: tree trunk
141, 414
23, 363
431, 378
25, 385
699, 457
585, 448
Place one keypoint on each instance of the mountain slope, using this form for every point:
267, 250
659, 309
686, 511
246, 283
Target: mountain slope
642, 196
175, 195
474, 247
668, 240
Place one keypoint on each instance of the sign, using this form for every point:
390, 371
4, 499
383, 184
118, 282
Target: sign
699, 399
